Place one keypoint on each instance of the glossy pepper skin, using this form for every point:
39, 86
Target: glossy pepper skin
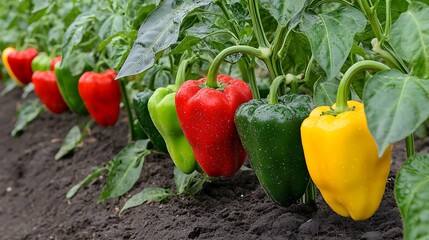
102, 96
162, 110
20, 64
207, 119
41, 63
46, 88
342, 160
140, 103
4, 54
271, 136
68, 85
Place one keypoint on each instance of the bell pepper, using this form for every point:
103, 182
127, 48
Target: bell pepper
41, 63
270, 132
101, 95
343, 161
19, 63
207, 118
68, 85
140, 103
54, 61
46, 88
4, 55
162, 110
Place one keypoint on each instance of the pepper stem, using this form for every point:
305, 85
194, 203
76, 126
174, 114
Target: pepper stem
346, 81
181, 70
274, 87
214, 67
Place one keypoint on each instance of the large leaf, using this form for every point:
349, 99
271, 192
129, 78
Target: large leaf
158, 32
412, 195
395, 105
283, 10
147, 195
410, 38
28, 111
125, 169
331, 36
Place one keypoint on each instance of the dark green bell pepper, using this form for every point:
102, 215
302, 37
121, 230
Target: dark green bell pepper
140, 101
41, 63
68, 85
270, 133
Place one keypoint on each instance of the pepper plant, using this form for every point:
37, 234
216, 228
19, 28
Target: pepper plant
373, 52
381, 45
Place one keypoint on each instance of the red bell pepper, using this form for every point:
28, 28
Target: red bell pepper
206, 116
101, 94
54, 61
46, 88
20, 64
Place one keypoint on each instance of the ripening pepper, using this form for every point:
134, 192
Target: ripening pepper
54, 61
102, 96
207, 118
140, 103
270, 132
162, 110
68, 85
4, 55
343, 161
41, 63
20, 64
46, 88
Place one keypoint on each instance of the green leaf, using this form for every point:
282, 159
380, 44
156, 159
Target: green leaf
158, 32
95, 173
75, 33
112, 25
325, 91
73, 138
410, 38
188, 184
29, 110
395, 105
283, 10
125, 169
412, 196
147, 195
331, 36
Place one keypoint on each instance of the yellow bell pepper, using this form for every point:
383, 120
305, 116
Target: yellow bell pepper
4, 55
341, 157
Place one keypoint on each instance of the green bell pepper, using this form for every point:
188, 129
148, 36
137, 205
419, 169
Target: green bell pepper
41, 63
162, 110
270, 133
68, 85
140, 103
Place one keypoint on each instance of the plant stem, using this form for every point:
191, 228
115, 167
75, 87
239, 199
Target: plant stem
214, 67
409, 144
126, 101
320, 3
228, 15
274, 87
310, 193
257, 24
346, 81
388, 18
373, 19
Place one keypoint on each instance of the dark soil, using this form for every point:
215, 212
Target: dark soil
33, 187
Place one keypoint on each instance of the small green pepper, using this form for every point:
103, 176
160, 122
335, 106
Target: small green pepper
140, 103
